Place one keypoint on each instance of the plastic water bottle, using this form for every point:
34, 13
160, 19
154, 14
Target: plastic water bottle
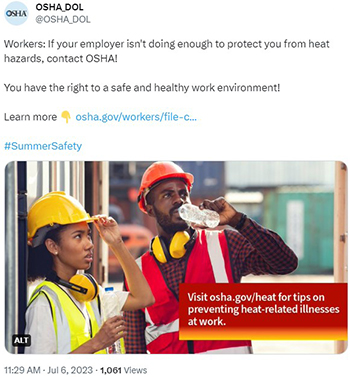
110, 309
205, 217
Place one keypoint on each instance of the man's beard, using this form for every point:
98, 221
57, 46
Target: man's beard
164, 221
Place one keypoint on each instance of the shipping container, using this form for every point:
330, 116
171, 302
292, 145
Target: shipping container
303, 217
258, 174
209, 178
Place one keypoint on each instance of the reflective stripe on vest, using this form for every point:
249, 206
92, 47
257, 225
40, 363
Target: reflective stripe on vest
216, 257
153, 331
69, 322
208, 262
232, 350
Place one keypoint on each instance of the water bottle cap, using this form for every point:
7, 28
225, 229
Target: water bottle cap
109, 289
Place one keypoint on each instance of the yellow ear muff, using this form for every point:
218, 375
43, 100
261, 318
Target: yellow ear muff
158, 250
84, 287
176, 249
177, 245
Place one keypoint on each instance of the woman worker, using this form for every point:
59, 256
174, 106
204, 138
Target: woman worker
64, 312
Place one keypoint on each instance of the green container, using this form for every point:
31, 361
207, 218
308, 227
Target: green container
303, 217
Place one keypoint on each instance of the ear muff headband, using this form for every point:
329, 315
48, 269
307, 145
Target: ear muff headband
176, 248
83, 287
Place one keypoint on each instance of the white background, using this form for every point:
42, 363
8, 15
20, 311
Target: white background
307, 120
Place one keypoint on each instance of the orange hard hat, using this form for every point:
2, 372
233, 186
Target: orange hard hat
157, 172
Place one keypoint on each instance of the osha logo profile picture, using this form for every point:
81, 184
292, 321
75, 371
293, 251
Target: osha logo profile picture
16, 13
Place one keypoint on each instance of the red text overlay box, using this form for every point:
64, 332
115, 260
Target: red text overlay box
305, 311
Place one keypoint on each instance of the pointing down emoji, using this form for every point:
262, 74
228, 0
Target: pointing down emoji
65, 114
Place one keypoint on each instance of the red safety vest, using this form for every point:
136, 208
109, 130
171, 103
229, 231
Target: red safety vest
209, 262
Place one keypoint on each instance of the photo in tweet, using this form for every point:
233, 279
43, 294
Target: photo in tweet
232, 257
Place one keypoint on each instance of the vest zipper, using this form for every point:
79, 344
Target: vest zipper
90, 327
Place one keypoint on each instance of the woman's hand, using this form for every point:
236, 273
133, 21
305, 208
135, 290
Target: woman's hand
112, 330
108, 229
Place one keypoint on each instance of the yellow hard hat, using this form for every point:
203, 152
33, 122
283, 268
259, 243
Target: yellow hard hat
55, 208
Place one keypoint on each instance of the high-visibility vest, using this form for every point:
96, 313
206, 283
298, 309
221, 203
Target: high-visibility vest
208, 262
68, 320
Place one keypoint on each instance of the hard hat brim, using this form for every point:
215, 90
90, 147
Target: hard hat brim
86, 220
56, 208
